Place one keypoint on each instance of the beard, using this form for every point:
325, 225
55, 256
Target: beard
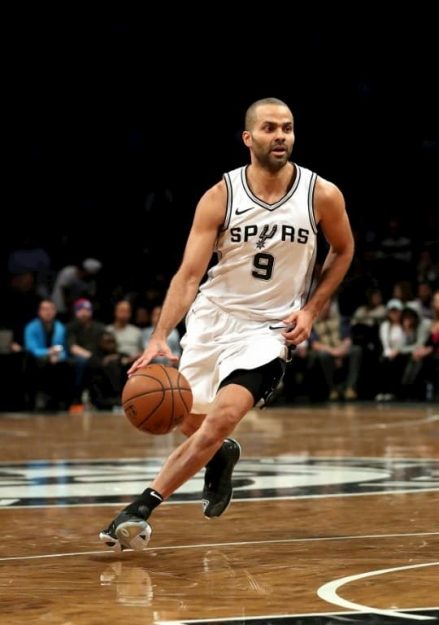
270, 161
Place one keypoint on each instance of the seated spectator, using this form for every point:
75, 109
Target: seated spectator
331, 346
416, 332
128, 337
83, 337
392, 341
373, 312
45, 339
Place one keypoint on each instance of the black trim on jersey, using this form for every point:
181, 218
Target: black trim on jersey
229, 202
312, 218
259, 202
306, 296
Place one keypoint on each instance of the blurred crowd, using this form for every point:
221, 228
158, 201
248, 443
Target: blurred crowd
69, 335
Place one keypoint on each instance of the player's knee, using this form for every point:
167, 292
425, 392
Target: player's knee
222, 421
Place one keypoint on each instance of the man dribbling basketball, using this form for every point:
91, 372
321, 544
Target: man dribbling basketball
262, 221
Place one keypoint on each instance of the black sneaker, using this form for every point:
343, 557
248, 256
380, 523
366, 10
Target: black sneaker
127, 531
217, 491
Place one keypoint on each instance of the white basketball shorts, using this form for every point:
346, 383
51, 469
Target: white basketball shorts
216, 343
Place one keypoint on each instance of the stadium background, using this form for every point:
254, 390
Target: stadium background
109, 111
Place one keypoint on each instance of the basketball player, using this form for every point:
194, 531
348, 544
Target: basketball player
262, 221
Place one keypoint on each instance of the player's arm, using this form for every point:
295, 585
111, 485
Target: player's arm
330, 213
208, 219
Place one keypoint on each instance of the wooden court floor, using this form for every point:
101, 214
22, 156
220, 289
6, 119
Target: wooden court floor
335, 519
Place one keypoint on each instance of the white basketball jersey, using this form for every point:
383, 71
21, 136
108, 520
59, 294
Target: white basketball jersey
266, 252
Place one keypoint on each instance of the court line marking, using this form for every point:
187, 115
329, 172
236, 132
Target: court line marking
380, 493
161, 459
328, 592
249, 619
229, 544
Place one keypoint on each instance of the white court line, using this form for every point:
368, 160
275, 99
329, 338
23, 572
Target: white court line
230, 544
248, 619
160, 459
328, 592
415, 490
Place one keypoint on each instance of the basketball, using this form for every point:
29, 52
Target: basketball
156, 398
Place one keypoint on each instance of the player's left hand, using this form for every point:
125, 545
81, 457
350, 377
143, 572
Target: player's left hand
300, 324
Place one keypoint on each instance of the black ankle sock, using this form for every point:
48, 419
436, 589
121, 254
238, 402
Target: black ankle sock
145, 503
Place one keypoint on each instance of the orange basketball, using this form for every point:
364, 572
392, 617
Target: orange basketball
156, 398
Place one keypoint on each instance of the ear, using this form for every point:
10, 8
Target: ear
247, 138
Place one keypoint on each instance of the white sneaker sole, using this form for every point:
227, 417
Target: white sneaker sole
130, 535
205, 503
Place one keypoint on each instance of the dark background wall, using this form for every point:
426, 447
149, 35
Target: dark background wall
107, 109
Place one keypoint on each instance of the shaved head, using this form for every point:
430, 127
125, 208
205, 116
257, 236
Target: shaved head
250, 116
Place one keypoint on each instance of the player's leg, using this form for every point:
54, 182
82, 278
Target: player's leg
130, 528
191, 423
261, 383
217, 490
230, 405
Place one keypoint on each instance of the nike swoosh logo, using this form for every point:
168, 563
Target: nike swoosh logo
243, 210
153, 494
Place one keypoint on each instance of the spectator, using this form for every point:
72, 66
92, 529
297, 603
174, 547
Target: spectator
331, 347
392, 341
416, 332
83, 336
373, 312
74, 282
128, 336
45, 339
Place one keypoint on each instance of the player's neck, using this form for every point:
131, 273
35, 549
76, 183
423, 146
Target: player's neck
267, 184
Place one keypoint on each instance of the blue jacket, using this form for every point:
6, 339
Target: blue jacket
35, 338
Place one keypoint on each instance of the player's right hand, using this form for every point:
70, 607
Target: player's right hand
154, 348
